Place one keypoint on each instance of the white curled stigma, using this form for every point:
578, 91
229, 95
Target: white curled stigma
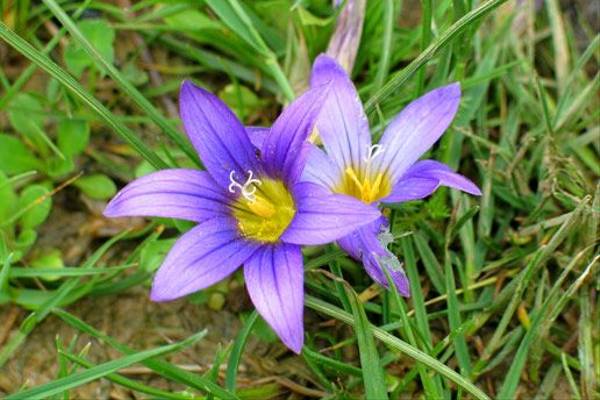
247, 189
374, 151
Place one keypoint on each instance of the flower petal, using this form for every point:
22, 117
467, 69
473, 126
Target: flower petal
411, 189
320, 169
258, 135
416, 129
444, 174
172, 193
217, 135
323, 217
202, 257
275, 281
342, 123
366, 246
283, 152
424, 177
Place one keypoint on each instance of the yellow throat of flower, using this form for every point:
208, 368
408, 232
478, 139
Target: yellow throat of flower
265, 214
364, 184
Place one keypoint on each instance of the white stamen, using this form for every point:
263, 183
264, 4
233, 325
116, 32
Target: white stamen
374, 151
247, 189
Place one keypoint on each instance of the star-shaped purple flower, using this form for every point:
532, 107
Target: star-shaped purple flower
250, 206
385, 172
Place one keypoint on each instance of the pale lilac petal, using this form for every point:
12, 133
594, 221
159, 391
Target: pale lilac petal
342, 123
172, 193
275, 281
424, 177
444, 174
203, 256
320, 169
411, 189
258, 135
217, 135
364, 245
323, 217
416, 129
283, 152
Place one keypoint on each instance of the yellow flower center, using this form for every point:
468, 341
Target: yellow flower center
266, 213
364, 185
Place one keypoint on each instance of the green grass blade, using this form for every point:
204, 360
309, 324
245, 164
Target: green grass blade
99, 371
125, 85
237, 351
129, 383
399, 345
75, 87
372, 372
162, 368
443, 40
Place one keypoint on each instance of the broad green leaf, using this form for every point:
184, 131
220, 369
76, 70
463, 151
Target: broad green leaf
15, 157
46, 64
101, 35
190, 19
7, 196
25, 240
153, 253
57, 167
97, 186
26, 115
73, 136
242, 100
50, 259
37, 204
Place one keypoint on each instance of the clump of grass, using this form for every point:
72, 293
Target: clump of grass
504, 288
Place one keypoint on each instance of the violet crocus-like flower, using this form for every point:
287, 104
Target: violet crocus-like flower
250, 206
385, 172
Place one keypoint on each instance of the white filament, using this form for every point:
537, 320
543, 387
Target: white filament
247, 189
374, 151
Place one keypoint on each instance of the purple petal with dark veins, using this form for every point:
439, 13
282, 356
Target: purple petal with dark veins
172, 193
203, 256
275, 281
323, 217
283, 152
320, 169
342, 123
415, 129
258, 135
217, 135
366, 246
424, 177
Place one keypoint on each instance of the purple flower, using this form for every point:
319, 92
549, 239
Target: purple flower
385, 172
250, 206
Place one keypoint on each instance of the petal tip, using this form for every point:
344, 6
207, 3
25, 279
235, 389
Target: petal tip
159, 295
295, 344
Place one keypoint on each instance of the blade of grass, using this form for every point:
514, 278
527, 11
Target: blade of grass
39, 315
120, 79
401, 77
162, 368
99, 371
237, 351
511, 381
129, 383
44, 63
372, 372
398, 345
386, 44
233, 15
